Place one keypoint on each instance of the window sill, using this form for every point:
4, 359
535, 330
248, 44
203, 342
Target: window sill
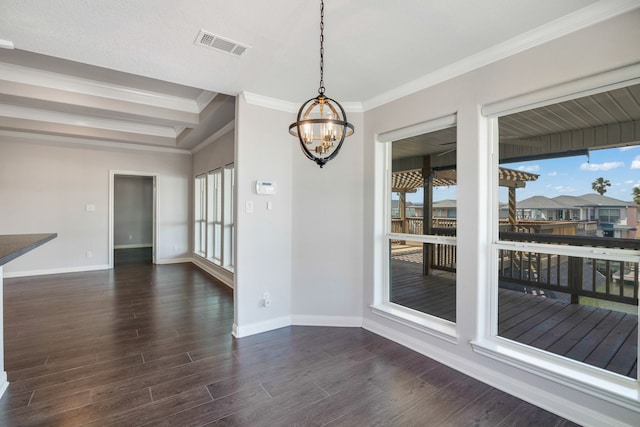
609, 386
419, 321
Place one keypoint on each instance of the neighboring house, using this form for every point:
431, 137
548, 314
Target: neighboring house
615, 218
444, 209
411, 210
542, 208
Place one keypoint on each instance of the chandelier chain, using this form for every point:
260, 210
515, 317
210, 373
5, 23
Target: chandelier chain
321, 88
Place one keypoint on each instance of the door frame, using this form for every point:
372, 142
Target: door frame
112, 176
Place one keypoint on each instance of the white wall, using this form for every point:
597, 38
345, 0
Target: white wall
603, 47
263, 237
45, 187
217, 154
327, 234
132, 211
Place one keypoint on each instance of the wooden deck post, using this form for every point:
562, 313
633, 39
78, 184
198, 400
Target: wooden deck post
427, 214
403, 211
575, 277
512, 209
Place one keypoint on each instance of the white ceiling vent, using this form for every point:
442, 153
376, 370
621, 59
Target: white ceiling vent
220, 43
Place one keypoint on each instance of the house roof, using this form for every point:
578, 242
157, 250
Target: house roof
592, 199
540, 202
446, 203
569, 202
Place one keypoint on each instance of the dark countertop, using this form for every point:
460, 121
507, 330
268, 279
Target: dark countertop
14, 245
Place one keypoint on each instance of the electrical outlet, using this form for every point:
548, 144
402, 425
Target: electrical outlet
266, 299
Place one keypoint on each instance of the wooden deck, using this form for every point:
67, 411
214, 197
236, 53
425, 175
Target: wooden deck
599, 337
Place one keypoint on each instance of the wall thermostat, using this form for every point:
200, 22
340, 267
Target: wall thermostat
266, 187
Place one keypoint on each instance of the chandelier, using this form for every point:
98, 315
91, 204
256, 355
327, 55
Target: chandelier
322, 124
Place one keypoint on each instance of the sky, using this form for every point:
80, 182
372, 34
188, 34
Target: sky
570, 176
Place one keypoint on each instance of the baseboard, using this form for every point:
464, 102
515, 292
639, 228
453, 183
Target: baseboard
339, 321
133, 246
62, 270
227, 279
4, 384
523, 390
173, 261
259, 327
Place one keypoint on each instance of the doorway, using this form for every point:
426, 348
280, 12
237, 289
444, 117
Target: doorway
133, 223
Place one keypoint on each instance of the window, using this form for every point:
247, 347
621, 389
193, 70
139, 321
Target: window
200, 212
213, 216
567, 269
229, 224
609, 215
422, 249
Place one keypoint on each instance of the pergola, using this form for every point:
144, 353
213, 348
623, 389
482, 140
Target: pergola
409, 181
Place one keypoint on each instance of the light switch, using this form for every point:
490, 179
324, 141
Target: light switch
269, 206
90, 207
248, 207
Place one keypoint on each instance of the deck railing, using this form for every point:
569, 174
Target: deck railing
587, 277
577, 276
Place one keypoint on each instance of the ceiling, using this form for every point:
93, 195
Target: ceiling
130, 72
602, 120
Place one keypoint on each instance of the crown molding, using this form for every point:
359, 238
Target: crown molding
271, 103
216, 136
37, 138
204, 99
27, 113
291, 107
42, 78
352, 107
585, 17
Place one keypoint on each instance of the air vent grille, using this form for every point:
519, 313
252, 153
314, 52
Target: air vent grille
220, 43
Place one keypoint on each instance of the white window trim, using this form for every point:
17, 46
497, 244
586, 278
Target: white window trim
597, 382
216, 211
228, 217
423, 322
198, 248
226, 212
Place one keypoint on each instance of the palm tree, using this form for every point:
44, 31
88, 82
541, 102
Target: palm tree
636, 195
600, 185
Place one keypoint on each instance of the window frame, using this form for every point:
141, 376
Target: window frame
200, 214
382, 306
590, 379
213, 219
228, 217
214, 216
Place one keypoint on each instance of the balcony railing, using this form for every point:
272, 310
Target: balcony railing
577, 276
587, 277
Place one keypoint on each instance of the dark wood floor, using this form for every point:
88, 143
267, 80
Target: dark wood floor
151, 345
604, 338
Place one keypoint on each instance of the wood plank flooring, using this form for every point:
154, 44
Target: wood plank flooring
600, 337
151, 345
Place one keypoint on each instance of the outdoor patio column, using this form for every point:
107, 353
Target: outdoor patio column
512, 208
427, 214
